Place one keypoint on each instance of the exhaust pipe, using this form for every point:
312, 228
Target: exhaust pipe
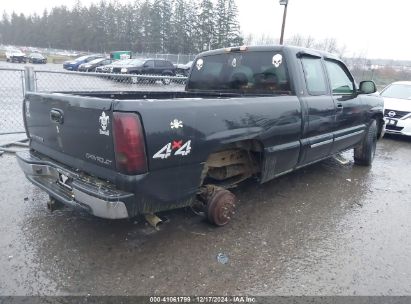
153, 220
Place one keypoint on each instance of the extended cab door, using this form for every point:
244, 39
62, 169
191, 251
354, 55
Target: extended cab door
320, 111
349, 126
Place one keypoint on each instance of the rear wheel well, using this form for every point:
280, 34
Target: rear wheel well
233, 163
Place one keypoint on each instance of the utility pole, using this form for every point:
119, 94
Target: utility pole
285, 3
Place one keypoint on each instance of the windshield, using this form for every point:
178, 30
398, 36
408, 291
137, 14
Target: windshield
253, 72
122, 62
81, 58
96, 61
136, 62
36, 55
401, 91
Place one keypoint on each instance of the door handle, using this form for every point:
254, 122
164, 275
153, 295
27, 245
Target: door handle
340, 106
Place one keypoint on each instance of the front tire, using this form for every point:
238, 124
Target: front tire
365, 152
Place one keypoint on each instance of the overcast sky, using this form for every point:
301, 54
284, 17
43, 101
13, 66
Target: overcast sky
374, 28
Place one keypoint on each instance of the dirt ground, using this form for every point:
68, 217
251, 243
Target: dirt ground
328, 229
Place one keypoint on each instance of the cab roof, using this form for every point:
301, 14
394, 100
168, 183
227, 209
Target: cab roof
276, 48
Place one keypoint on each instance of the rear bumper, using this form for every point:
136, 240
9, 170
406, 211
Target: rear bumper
85, 192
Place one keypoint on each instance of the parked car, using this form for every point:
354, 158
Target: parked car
92, 65
74, 64
148, 67
397, 101
16, 56
110, 67
247, 112
37, 58
183, 69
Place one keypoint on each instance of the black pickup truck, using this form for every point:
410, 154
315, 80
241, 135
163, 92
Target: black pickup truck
246, 112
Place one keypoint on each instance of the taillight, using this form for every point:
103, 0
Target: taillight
129, 143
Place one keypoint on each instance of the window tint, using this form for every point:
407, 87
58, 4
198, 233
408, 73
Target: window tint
243, 72
339, 79
159, 63
314, 76
80, 58
90, 59
163, 64
149, 63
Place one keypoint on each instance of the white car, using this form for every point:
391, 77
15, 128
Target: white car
397, 104
16, 56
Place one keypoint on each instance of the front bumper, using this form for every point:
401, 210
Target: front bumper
39, 61
85, 192
398, 126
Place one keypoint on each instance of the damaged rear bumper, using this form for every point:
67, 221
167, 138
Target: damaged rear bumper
71, 188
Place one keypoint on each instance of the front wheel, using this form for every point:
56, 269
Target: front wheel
365, 152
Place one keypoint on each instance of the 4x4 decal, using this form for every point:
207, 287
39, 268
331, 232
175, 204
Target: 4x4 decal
181, 149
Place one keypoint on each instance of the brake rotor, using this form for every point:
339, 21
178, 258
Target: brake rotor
221, 207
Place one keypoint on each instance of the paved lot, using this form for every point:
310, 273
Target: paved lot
327, 229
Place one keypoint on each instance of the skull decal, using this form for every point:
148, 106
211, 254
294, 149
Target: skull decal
104, 120
200, 64
277, 60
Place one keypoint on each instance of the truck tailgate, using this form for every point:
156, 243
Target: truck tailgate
75, 129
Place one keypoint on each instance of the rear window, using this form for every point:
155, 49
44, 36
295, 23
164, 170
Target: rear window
246, 72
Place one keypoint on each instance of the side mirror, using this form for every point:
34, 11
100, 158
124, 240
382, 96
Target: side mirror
367, 87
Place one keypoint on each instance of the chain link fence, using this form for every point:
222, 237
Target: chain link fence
11, 99
14, 82
174, 58
54, 81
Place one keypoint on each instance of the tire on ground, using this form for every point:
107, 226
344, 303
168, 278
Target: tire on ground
365, 152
